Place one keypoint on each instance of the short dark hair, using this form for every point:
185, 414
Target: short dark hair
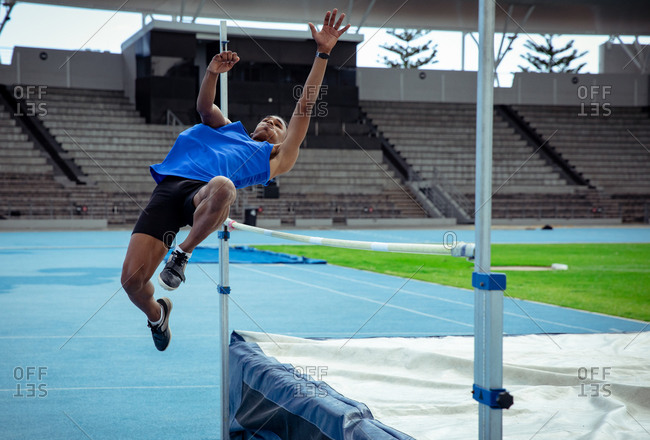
280, 118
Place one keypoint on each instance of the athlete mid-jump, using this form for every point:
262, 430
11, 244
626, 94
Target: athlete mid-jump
198, 179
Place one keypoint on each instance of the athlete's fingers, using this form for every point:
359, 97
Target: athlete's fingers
333, 17
338, 23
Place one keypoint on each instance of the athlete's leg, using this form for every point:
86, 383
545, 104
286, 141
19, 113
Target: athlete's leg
143, 256
212, 204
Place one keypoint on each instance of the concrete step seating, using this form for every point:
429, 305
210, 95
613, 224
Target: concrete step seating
520, 174
608, 150
338, 172
18, 154
99, 132
131, 162
54, 113
634, 207
136, 127
118, 148
12, 136
106, 127
79, 100
440, 135
389, 204
102, 140
448, 149
602, 135
500, 153
104, 121
428, 120
6, 153
529, 205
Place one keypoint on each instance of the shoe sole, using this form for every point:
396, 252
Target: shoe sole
169, 305
165, 286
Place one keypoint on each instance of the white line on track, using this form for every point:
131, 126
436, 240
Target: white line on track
48, 248
142, 387
434, 297
349, 295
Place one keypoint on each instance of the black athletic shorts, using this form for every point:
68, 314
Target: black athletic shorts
170, 208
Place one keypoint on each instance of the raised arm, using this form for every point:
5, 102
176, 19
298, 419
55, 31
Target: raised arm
209, 111
325, 40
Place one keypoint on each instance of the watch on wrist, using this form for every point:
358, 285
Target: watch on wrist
322, 55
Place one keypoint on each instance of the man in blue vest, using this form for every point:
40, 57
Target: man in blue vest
198, 179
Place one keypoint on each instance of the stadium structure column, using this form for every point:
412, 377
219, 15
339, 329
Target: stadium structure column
488, 287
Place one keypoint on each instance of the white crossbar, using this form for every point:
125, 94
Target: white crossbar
459, 249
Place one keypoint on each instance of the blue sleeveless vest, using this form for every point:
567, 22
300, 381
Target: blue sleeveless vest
202, 152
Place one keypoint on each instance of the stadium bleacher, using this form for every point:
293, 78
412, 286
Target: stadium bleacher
113, 146
608, 149
29, 186
439, 140
341, 172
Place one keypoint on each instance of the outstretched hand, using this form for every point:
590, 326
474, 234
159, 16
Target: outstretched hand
329, 34
223, 62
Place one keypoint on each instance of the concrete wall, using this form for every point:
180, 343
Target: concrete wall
377, 84
129, 72
109, 71
83, 69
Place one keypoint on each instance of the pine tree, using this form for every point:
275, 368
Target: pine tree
547, 58
406, 51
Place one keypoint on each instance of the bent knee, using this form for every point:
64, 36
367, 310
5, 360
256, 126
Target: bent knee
223, 189
133, 281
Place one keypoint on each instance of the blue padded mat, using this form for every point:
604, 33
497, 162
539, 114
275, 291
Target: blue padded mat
248, 255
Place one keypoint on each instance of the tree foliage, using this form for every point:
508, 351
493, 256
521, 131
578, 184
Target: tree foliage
407, 50
545, 57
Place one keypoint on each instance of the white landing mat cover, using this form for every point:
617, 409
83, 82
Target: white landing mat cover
565, 386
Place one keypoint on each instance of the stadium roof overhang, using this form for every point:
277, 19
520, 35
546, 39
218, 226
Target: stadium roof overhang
600, 17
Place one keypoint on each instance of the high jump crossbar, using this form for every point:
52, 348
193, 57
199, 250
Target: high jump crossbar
455, 249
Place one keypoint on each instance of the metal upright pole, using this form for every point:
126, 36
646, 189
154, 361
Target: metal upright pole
488, 287
223, 37
224, 291
224, 282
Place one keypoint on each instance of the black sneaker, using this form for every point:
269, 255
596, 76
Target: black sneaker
161, 333
174, 272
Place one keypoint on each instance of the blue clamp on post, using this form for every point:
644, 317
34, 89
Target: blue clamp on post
225, 290
489, 281
498, 398
223, 235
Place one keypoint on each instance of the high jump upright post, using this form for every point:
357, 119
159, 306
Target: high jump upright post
488, 287
224, 282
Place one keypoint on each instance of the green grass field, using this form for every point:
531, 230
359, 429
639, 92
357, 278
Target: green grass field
606, 278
